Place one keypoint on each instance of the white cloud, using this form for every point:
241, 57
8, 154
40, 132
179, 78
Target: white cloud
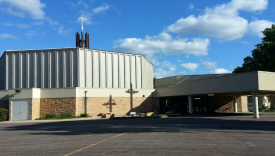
160, 73
24, 26
191, 7
63, 31
101, 9
162, 43
190, 66
8, 36
221, 22
209, 65
219, 71
82, 4
22, 8
51, 21
256, 27
31, 33
182, 73
38, 23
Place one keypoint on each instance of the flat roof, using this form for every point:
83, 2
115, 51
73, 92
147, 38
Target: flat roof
220, 84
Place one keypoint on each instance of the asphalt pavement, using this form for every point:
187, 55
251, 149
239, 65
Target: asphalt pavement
200, 134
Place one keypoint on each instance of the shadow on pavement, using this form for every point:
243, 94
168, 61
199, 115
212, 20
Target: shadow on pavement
189, 124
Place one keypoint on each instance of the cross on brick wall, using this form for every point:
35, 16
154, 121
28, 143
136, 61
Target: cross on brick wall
132, 92
110, 103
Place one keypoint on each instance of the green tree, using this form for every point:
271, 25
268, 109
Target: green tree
263, 57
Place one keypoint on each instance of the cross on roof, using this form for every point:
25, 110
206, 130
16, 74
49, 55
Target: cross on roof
81, 18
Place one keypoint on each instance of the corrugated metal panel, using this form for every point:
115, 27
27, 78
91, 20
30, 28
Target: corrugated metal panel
127, 71
72, 67
115, 70
121, 71
109, 75
81, 68
2, 72
96, 69
39, 69
133, 70
138, 71
102, 69
89, 69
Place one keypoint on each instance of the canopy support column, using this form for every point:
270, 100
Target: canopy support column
190, 104
255, 105
235, 104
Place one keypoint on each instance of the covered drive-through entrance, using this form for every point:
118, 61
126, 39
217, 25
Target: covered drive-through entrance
217, 85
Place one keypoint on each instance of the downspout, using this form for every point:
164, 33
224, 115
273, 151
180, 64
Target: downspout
85, 102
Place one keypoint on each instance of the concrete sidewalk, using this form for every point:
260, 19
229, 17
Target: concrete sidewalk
54, 120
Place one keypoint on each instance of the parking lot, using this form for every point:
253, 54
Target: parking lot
226, 134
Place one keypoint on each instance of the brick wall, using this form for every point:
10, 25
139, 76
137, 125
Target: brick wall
57, 106
119, 105
226, 104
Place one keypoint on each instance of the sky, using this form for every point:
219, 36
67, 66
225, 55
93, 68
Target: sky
179, 37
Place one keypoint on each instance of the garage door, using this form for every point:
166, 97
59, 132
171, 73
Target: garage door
20, 110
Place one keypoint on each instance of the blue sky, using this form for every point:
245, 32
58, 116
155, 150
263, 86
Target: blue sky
179, 37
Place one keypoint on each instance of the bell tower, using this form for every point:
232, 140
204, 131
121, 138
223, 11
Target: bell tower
81, 42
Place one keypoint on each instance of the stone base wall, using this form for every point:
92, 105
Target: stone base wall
57, 106
226, 104
35, 109
95, 106
117, 105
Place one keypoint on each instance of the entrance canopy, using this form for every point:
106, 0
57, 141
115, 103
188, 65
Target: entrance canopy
251, 83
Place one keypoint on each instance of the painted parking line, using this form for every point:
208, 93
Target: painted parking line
95, 144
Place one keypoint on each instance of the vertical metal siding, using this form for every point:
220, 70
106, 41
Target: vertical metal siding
96, 77
115, 70
121, 71
58, 68
102, 69
3, 72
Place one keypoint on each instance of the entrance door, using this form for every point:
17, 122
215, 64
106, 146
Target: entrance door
199, 105
20, 110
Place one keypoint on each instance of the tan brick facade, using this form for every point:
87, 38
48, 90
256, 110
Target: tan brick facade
35, 109
243, 104
95, 105
119, 105
226, 104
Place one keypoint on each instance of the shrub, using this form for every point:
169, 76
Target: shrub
84, 115
66, 115
3, 114
264, 108
50, 116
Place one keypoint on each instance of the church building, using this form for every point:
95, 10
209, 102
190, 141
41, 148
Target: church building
76, 80
80, 80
